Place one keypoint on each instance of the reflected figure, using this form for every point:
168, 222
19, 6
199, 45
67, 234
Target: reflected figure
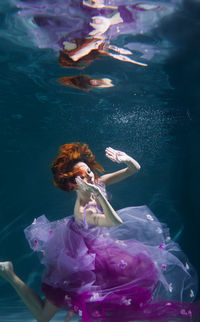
79, 53
82, 31
102, 264
85, 82
99, 4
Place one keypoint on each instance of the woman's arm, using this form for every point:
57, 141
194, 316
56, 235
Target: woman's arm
109, 216
119, 157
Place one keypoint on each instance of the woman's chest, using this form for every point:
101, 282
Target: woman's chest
80, 211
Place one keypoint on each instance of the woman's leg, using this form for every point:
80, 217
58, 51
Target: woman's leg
43, 311
70, 314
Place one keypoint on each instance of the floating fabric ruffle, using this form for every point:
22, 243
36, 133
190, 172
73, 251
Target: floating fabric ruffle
129, 272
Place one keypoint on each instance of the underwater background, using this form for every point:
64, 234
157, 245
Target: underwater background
152, 113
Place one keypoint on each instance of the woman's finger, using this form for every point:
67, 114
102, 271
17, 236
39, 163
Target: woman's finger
78, 180
113, 150
110, 150
110, 157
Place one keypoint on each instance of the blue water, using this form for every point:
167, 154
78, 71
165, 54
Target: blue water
152, 114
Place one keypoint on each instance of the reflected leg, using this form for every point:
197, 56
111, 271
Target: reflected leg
43, 311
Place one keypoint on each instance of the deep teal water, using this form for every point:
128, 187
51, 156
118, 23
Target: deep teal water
152, 113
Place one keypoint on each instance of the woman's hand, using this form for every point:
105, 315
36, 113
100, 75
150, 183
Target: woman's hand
87, 187
117, 156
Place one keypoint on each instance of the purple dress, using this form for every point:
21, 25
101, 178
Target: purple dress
50, 23
129, 272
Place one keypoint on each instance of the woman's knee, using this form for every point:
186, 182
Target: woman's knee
49, 310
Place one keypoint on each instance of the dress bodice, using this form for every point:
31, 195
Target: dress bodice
94, 204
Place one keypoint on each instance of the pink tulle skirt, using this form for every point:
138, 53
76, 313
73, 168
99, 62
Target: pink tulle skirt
130, 272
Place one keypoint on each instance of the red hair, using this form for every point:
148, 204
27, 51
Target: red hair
63, 165
79, 81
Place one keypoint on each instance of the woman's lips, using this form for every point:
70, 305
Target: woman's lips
90, 181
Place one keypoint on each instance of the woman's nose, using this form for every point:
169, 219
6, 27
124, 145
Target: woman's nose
89, 176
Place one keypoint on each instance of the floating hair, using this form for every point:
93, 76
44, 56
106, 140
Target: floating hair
69, 155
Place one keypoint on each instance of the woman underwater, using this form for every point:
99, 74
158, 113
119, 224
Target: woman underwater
101, 264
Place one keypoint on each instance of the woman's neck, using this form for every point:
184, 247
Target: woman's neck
84, 198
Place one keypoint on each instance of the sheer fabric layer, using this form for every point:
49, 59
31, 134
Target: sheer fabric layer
129, 272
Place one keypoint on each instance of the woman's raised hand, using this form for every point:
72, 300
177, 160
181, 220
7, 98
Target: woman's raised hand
87, 187
116, 155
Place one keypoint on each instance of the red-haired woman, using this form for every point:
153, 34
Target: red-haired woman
101, 264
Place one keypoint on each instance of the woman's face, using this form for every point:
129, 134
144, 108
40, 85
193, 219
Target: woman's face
87, 174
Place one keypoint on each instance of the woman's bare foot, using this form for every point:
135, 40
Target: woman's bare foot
6, 270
